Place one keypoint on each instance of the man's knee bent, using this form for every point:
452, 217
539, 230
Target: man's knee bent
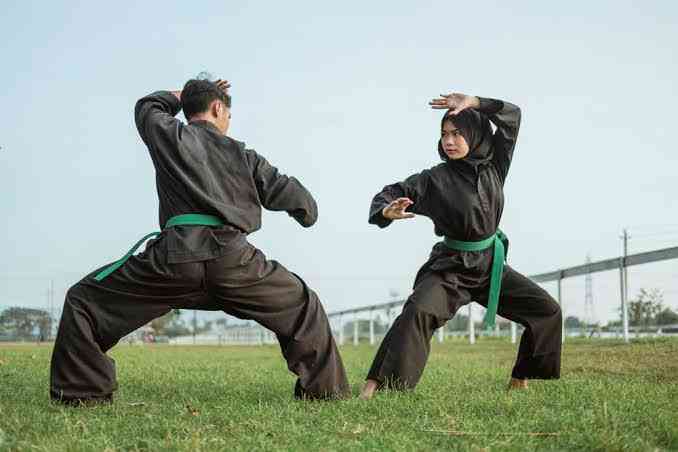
75, 296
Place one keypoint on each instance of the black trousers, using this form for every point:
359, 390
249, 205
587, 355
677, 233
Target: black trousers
242, 283
401, 358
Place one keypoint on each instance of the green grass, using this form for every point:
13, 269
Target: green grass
612, 396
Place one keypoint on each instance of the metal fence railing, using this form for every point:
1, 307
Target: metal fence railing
620, 263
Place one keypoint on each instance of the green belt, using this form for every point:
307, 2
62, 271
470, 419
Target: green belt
497, 240
196, 219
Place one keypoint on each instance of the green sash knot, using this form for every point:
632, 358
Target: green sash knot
194, 219
498, 240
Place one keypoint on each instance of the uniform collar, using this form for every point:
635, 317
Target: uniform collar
205, 125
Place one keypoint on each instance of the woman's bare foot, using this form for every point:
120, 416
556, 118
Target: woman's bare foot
369, 389
517, 383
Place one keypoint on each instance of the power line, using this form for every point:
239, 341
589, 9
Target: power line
656, 234
653, 226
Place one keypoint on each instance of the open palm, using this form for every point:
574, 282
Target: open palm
454, 102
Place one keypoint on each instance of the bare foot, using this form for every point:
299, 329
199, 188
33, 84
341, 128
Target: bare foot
369, 389
517, 383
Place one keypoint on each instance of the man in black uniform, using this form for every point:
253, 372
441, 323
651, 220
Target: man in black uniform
211, 190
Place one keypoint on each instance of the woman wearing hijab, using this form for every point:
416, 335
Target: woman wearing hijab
464, 197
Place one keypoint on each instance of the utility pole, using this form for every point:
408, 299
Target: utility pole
625, 287
626, 238
49, 303
371, 327
560, 302
51, 308
355, 328
588, 299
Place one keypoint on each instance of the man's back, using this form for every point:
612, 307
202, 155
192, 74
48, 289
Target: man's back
199, 170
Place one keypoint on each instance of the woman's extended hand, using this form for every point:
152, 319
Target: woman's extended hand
396, 209
454, 102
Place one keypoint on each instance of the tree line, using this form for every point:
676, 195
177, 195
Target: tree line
647, 309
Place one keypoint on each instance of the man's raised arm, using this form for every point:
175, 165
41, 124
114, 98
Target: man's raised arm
155, 114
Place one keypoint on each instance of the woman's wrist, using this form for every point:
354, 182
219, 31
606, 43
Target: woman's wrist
383, 213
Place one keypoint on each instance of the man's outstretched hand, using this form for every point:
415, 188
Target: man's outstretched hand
396, 209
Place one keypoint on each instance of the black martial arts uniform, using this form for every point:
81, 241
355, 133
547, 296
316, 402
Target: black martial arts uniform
465, 199
198, 170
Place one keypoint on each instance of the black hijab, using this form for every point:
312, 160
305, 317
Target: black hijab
476, 130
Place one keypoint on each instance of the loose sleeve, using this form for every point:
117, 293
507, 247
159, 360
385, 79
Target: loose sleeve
414, 187
278, 192
506, 117
154, 116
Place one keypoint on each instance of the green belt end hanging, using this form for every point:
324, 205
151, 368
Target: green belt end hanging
499, 256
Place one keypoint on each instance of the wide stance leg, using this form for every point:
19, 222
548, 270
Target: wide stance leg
249, 286
524, 302
402, 355
97, 314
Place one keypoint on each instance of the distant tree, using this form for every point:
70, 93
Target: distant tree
23, 322
458, 323
160, 324
177, 329
171, 325
206, 327
667, 317
572, 322
645, 307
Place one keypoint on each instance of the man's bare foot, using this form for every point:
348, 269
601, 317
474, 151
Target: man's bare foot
369, 389
517, 383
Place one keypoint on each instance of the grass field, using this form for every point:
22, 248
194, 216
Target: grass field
611, 397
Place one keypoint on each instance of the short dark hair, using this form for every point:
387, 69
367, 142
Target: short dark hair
197, 96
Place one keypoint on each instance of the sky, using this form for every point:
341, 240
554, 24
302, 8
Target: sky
335, 94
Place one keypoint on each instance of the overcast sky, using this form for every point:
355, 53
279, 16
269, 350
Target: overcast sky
336, 95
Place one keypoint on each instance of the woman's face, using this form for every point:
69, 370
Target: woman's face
453, 142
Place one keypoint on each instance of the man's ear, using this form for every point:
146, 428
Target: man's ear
215, 108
